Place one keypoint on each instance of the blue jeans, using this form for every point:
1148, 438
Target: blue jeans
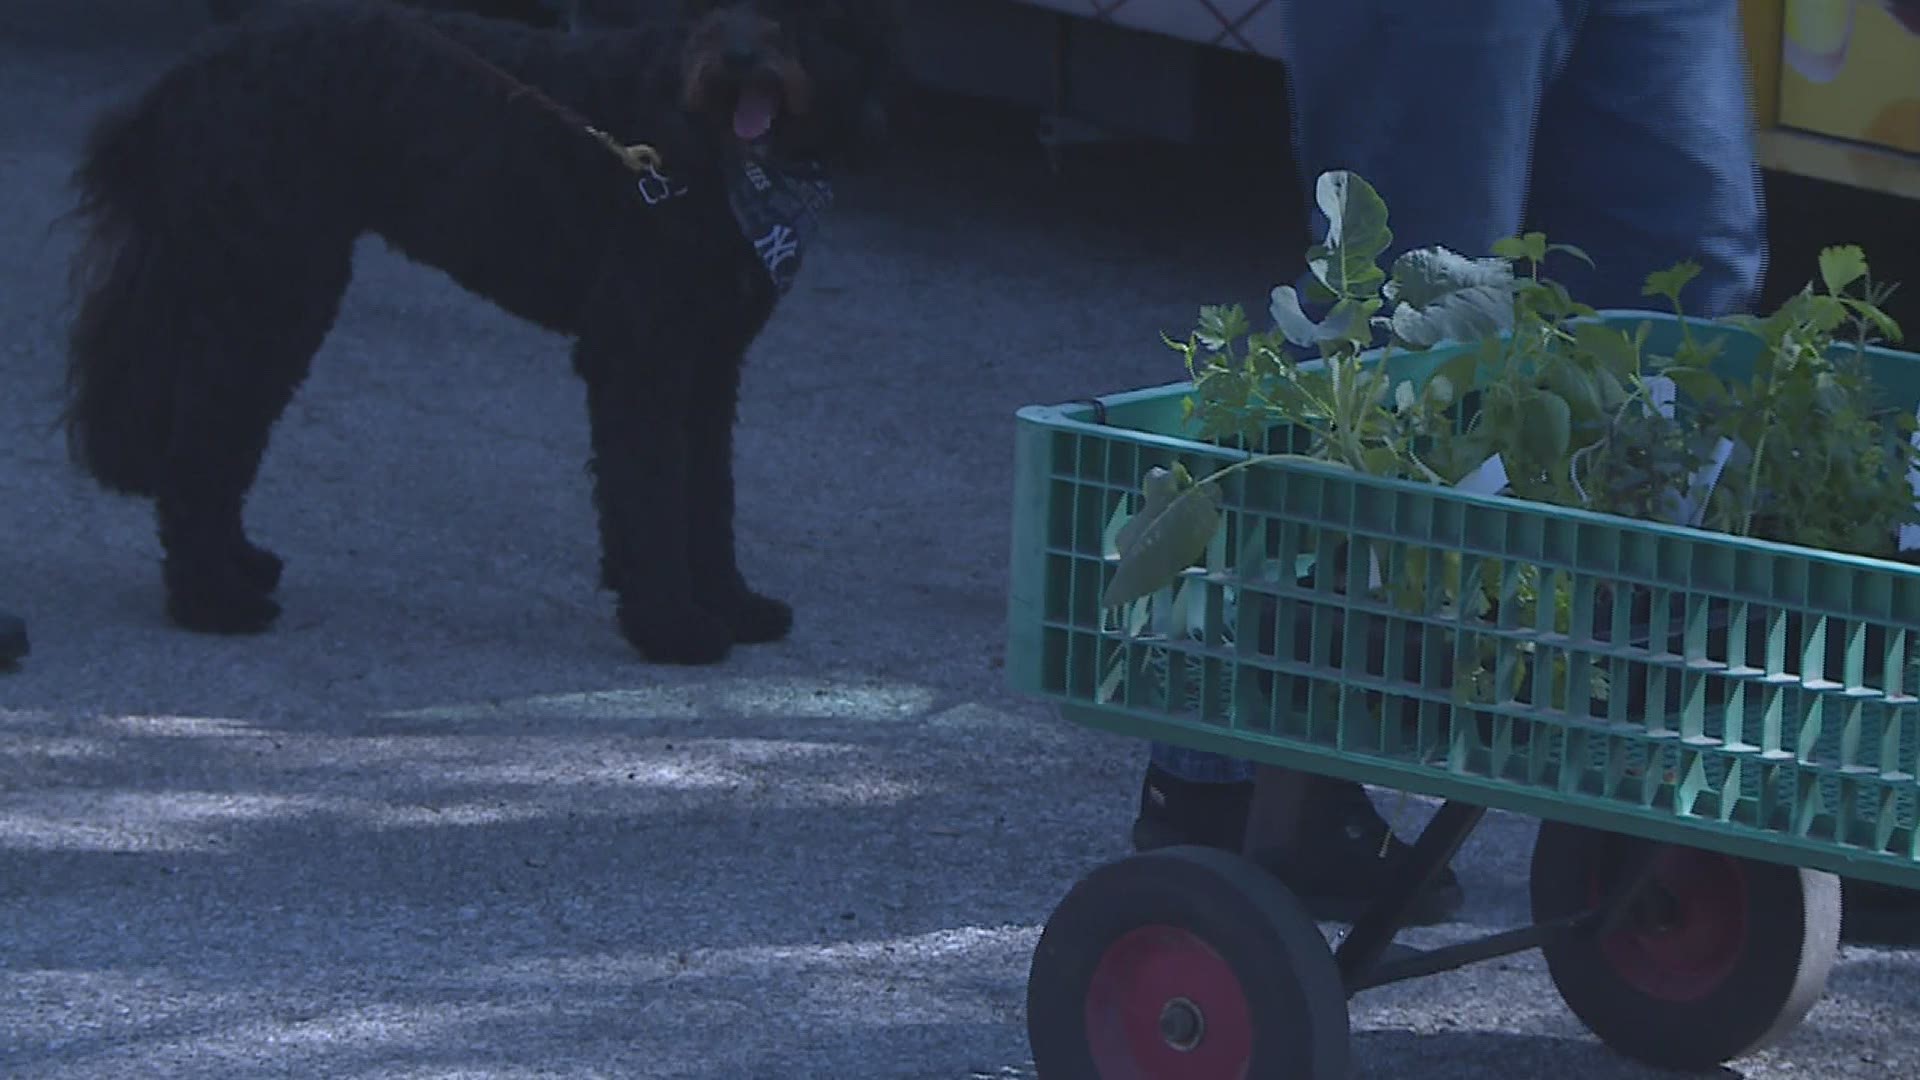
1619, 126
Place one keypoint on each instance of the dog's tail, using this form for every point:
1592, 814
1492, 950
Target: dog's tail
127, 341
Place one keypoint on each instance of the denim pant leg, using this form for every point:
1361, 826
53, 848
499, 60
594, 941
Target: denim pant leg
1643, 154
1646, 156
1433, 103
1621, 126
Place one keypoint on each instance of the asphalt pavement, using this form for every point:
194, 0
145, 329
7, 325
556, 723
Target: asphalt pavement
441, 822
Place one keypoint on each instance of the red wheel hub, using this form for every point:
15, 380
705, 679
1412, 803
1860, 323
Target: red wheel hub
1684, 934
1163, 1005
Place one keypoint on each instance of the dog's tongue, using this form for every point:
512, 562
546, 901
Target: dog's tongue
753, 116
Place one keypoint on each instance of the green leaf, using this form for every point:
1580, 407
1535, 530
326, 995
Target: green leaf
1616, 350
1169, 542
1841, 266
1444, 296
1426, 275
1468, 315
1830, 395
1222, 325
1580, 390
1350, 321
1291, 402
1317, 292
1573, 251
1866, 312
1613, 392
1266, 347
1380, 461
1552, 300
1160, 488
1546, 426
1291, 319
1699, 352
1824, 314
1531, 246
1357, 235
1671, 281
1700, 385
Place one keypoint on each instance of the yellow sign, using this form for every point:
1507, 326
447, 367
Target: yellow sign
1851, 69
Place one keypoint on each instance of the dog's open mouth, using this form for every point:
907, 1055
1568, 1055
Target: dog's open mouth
757, 108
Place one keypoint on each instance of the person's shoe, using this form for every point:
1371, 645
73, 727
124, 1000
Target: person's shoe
1175, 812
13, 639
1876, 914
1347, 856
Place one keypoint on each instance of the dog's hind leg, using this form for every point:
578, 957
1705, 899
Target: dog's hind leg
711, 550
259, 342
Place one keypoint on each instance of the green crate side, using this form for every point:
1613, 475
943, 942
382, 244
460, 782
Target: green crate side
1325, 669
1575, 808
1026, 566
1499, 532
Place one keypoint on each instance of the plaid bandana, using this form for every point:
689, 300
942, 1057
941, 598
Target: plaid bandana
779, 211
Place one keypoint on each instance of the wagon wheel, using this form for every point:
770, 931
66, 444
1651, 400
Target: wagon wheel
1185, 963
1714, 958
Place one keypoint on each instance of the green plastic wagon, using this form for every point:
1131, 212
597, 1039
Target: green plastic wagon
1722, 727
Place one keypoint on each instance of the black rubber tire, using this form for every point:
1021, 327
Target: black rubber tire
1193, 929
1719, 956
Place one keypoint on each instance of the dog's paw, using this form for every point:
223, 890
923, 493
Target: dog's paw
678, 635
222, 613
258, 568
755, 619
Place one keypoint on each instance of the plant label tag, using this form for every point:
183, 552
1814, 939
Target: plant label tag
1490, 478
1661, 391
1692, 509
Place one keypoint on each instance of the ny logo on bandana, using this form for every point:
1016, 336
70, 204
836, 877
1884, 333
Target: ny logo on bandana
780, 246
779, 212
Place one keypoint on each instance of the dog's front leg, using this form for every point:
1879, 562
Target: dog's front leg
641, 488
711, 553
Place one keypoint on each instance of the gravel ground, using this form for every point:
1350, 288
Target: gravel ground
441, 822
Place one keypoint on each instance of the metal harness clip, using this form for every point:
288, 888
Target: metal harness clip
656, 187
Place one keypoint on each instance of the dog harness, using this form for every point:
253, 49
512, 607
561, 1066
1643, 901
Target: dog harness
779, 211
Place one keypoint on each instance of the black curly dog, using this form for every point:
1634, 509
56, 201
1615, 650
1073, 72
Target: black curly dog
223, 207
